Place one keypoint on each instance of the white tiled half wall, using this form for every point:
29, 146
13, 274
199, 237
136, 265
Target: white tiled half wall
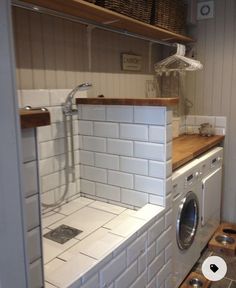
54, 146
125, 154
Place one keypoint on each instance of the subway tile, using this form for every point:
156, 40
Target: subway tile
51, 181
156, 265
134, 132
58, 96
190, 120
150, 115
149, 151
135, 198
160, 169
106, 129
168, 252
168, 151
107, 161
28, 144
32, 212
127, 227
114, 268
127, 277
163, 273
73, 206
86, 157
71, 271
168, 218
148, 211
156, 200
46, 166
44, 133
155, 230
137, 248
56, 114
151, 252
120, 179
85, 127
58, 130
220, 122
95, 174
108, 192
107, 207
95, 144
152, 283
157, 134
97, 245
119, 113
220, 131
34, 244
164, 239
149, 185
35, 98
93, 282
169, 116
141, 281
93, 112
205, 119
134, 165
35, 274
142, 262
30, 178
120, 147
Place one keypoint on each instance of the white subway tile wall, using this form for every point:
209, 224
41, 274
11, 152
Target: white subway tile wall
193, 122
125, 150
54, 145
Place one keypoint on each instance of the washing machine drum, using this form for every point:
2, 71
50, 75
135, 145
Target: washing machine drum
187, 220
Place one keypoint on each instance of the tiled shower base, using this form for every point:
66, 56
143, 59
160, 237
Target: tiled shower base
105, 227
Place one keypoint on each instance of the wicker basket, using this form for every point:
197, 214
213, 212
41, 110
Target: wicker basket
170, 15
138, 9
91, 1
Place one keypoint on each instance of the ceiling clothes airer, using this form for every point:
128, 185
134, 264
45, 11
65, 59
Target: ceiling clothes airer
177, 63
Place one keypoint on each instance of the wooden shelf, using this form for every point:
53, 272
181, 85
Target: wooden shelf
129, 101
188, 147
34, 118
94, 13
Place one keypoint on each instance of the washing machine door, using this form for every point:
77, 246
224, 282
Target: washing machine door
187, 220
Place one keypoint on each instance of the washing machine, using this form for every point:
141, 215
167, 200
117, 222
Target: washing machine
186, 216
210, 187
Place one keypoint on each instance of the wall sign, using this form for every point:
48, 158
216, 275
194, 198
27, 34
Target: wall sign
131, 62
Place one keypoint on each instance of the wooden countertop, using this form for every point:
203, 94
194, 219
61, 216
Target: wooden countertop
129, 101
34, 118
188, 147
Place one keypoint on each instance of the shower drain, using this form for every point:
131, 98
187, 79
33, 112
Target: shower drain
62, 234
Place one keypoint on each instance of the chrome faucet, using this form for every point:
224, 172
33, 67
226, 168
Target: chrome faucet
67, 106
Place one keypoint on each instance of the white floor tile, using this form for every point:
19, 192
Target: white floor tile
124, 225
71, 271
74, 205
96, 245
52, 249
48, 285
86, 219
52, 266
107, 207
147, 212
50, 218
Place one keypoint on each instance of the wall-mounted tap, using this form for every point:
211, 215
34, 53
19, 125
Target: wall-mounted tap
67, 106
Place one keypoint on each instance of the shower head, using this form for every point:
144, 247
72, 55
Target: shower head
67, 106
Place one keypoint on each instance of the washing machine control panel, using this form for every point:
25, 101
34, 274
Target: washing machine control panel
191, 178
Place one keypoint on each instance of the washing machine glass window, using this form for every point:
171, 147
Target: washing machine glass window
187, 220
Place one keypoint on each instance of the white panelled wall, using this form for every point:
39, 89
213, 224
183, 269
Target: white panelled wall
212, 90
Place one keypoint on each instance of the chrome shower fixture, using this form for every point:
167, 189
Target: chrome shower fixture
67, 106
